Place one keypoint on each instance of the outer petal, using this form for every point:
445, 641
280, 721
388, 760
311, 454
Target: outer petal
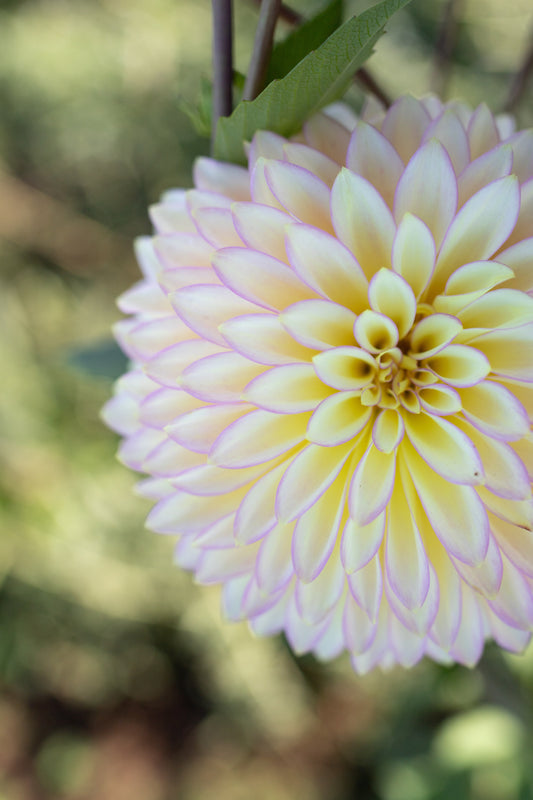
371, 155
372, 485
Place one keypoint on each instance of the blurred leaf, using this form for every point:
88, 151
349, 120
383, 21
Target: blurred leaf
199, 113
308, 36
319, 79
103, 359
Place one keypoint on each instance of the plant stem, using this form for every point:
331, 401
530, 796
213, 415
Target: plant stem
264, 36
222, 62
520, 80
444, 47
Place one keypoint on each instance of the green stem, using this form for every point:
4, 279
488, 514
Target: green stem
222, 62
264, 38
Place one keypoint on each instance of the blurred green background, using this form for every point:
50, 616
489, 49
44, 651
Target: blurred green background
118, 679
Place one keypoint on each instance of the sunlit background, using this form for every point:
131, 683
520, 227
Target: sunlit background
118, 679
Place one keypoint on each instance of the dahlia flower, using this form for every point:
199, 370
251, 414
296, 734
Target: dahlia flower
331, 382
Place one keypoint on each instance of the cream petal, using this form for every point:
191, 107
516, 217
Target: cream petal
327, 266
479, 229
121, 414
460, 365
509, 352
408, 647
519, 258
448, 618
147, 257
432, 334
316, 532
145, 340
468, 644
339, 418
388, 430
301, 635
359, 630
413, 253
309, 475
485, 577
261, 191
372, 484
218, 536
171, 215
227, 179
366, 587
259, 278
173, 279
517, 544
204, 308
477, 277
497, 163
362, 221
522, 144
133, 450
439, 399
514, 602
524, 223
300, 193
272, 621
186, 555
221, 378
375, 332
501, 308
327, 135
360, 543
183, 250
232, 598
406, 561
166, 367
428, 189
144, 298
319, 324
349, 368
404, 125
371, 155
391, 295
510, 638
223, 565
183, 513
208, 479
169, 459
216, 226
274, 567
258, 437
448, 129
265, 144
289, 389
257, 512
315, 600
312, 160
482, 131
197, 430
455, 511
262, 338
262, 228
444, 448
331, 642
196, 199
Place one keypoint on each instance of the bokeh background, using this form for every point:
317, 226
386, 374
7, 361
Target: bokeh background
118, 679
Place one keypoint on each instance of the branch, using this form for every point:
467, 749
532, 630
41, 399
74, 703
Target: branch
264, 36
519, 83
222, 61
444, 46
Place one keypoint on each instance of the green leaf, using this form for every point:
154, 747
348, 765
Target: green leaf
308, 36
319, 79
102, 359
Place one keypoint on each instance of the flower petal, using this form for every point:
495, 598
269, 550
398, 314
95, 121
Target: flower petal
371, 155
372, 484
262, 228
339, 418
319, 324
348, 368
300, 193
413, 253
289, 389
262, 338
390, 294
360, 543
459, 365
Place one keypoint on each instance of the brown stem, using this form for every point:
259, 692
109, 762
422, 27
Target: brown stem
521, 79
264, 38
222, 62
444, 46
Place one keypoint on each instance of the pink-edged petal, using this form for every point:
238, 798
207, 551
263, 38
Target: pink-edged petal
338, 419
517, 544
432, 334
198, 429
509, 638
258, 437
147, 257
145, 340
444, 448
319, 324
327, 135
300, 193
221, 378
366, 587
227, 179
133, 450
372, 484
522, 144
144, 298
413, 253
497, 163
360, 543
204, 308
301, 635
448, 129
362, 221
289, 389
257, 512
388, 430
309, 475
327, 266
524, 223
519, 258
514, 602
428, 189
439, 399
121, 414
166, 367
485, 577
262, 228
482, 131
501, 308
455, 511
223, 565
259, 278
509, 352
349, 368
316, 532
448, 618
261, 192
480, 228
391, 295
331, 643
274, 566
359, 630
171, 280
207, 479
404, 124
408, 647
216, 226
262, 338
183, 250
315, 600
474, 279
371, 155
169, 459
470, 639
460, 365
312, 160
375, 332
183, 513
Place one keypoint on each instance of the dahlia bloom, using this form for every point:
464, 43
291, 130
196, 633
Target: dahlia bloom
331, 382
